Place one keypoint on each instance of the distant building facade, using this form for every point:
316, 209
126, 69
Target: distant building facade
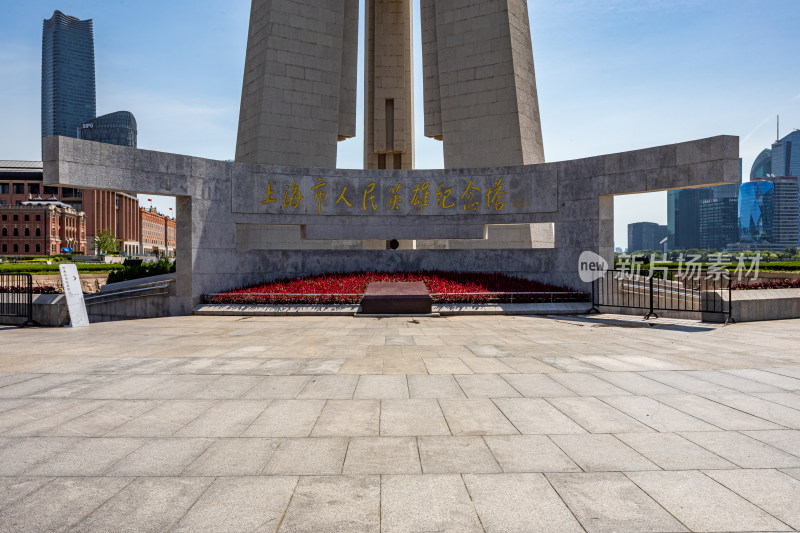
769, 214
645, 236
68, 75
685, 226
21, 181
762, 166
779, 166
41, 227
786, 212
157, 232
683, 217
115, 128
755, 212
786, 155
719, 223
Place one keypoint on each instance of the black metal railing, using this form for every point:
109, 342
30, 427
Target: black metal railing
16, 297
665, 290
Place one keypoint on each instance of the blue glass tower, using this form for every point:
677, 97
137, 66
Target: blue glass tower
68, 86
756, 212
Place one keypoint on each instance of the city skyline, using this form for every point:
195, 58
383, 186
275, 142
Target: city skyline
608, 79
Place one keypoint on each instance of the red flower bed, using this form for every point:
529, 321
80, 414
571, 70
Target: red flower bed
777, 284
453, 287
44, 289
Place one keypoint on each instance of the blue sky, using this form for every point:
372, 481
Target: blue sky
612, 75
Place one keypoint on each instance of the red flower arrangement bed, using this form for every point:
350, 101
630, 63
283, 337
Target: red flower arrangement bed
444, 287
777, 284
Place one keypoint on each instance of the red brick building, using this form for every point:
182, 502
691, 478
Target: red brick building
41, 227
157, 231
21, 181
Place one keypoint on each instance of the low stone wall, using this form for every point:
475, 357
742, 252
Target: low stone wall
765, 304
48, 310
134, 299
145, 298
769, 276
89, 282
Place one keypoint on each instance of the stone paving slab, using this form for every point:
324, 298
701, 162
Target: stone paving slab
476, 424
610, 502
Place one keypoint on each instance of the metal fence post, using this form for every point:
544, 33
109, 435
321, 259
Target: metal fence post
652, 313
730, 300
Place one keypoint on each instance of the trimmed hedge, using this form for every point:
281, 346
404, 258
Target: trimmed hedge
145, 270
53, 269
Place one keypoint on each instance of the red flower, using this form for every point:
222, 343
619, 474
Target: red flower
445, 287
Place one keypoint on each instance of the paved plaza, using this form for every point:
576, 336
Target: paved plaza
400, 424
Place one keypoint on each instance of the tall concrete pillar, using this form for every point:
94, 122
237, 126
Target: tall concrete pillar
389, 86
480, 87
299, 88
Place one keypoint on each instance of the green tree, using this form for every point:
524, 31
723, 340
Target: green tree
105, 242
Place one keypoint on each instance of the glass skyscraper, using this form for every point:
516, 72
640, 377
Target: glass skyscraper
762, 165
719, 222
68, 83
115, 128
756, 210
786, 155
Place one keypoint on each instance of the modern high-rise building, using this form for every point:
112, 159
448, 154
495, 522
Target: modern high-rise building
685, 230
645, 236
780, 166
786, 155
719, 222
755, 212
762, 166
68, 83
683, 217
769, 213
786, 211
115, 128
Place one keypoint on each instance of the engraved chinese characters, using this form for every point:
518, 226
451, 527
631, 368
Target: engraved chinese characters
340, 195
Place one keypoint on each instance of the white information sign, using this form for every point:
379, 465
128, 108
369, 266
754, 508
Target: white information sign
74, 293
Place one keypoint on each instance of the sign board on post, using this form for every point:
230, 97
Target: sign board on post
72, 290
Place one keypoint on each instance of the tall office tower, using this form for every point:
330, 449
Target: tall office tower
389, 108
786, 155
690, 228
115, 128
719, 222
683, 217
645, 236
68, 86
756, 212
786, 211
762, 166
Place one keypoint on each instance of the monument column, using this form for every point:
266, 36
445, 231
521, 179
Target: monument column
480, 87
299, 86
389, 87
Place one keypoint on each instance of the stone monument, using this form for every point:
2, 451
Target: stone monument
278, 210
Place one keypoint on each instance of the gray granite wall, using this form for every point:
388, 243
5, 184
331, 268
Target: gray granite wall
213, 197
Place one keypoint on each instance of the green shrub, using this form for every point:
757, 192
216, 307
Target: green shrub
133, 271
39, 268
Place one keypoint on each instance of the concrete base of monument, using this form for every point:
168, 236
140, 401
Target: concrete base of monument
396, 298
574, 308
